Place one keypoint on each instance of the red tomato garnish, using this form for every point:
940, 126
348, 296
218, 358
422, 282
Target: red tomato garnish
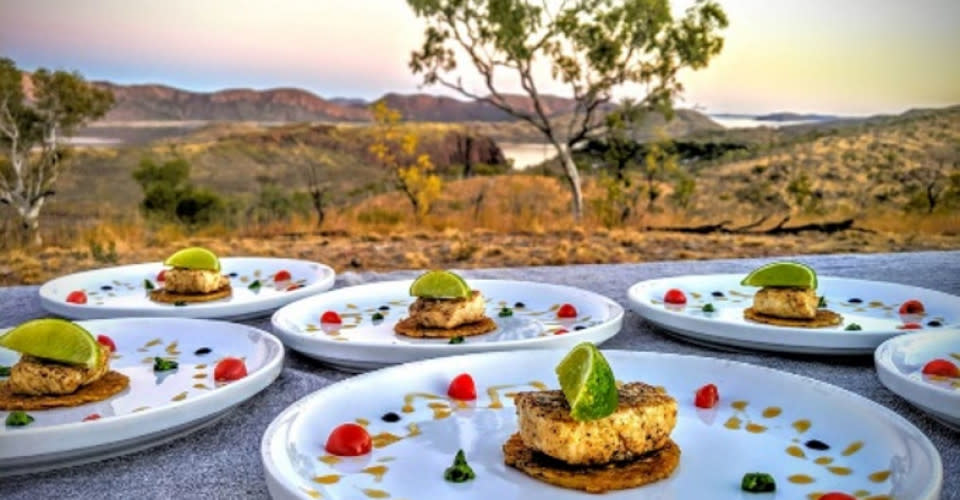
294, 287
330, 317
282, 275
567, 311
941, 367
349, 440
229, 369
836, 496
911, 326
706, 397
162, 275
912, 307
92, 416
107, 341
462, 388
77, 297
561, 331
674, 296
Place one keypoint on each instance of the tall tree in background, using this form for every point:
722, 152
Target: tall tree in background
591, 46
33, 127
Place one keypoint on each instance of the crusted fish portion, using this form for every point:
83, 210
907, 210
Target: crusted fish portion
193, 281
448, 313
37, 377
795, 303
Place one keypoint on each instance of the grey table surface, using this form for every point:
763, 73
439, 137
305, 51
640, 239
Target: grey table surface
225, 461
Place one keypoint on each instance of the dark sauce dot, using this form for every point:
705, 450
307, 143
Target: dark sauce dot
815, 444
934, 323
717, 294
390, 417
232, 275
519, 305
203, 350
384, 308
579, 327
855, 301
106, 288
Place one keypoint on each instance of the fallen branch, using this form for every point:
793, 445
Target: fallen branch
705, 229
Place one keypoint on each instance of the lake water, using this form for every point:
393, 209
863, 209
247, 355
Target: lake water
751, 122
527, 154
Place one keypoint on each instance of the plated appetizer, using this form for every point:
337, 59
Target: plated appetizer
593, 435
446, 307
61, 365
788, 297
194, 276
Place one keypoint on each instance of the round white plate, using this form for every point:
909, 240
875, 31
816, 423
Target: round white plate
873, 451
122, 291
361, 343
877, 313
900, 363
156, 406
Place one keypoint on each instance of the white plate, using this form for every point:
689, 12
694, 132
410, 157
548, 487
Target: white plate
121, 291
900, 363
155, 407
864, 437
877, 314
361, 344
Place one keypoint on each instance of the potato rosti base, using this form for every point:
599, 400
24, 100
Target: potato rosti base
104, 387
162, 295
824, 319
410, 328
647, 469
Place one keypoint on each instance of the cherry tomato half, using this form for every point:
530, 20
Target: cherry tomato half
706, 397
836, 496
282, 275
92, 416
349, 440
108, 342
911, 326
941, 367
162, 275
330, 317
912, 307
462, 388
561, 331
294, 287
229, 369
77, 297
674, 296
567, 311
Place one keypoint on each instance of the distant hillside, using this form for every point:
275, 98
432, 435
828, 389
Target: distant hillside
786, 116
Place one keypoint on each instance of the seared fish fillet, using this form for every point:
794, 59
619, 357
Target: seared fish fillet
641, 423
193, 281
37, 377
448, 313
799, 303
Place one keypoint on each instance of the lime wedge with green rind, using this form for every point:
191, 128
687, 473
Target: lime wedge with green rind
782, 274
196, 258
440, 285
587, 382
55, 340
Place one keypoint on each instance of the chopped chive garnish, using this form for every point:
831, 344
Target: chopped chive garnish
377, 316
4, 371
505, 312
255, 285
853, 327
147, 284
456, 340
822, 302
460, 471
18, 419
758, 482
708, 308
180, 303
164, 365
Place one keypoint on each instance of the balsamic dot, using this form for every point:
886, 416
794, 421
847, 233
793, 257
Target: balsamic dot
384, 308
203, 350
233, 275
106, 288
579, 327
934, 323
717, 294
815, 444
855, 301
390, 417
519, 305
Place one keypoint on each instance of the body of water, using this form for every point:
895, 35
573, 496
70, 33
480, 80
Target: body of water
728, 121
527, 154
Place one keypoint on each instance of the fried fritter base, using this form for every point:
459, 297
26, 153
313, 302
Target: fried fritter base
410, 328
644, 470
168, 297
824, 319
109, 385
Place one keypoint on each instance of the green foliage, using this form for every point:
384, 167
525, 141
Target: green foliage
380, 216
617, 201
169, 196
684, 186
104, 254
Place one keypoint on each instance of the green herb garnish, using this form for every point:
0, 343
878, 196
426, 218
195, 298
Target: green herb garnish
164, 365
708, 308
505, 312
4, 371
147, 284
254, 286
822, 302
758, 482
460, 471
180, 303
18, 419
456, 340
853, 327
377, 316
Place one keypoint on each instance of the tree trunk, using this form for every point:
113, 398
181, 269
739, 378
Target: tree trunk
573, 179
30, 224
467, 157
317, 197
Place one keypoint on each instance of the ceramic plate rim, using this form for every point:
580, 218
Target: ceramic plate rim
885, 366
895, 419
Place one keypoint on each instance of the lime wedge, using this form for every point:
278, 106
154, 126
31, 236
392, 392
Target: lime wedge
55, 340
194, 258
440, 285
587, 382
782, 274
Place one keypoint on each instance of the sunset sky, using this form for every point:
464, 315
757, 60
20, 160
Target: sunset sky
838, 56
